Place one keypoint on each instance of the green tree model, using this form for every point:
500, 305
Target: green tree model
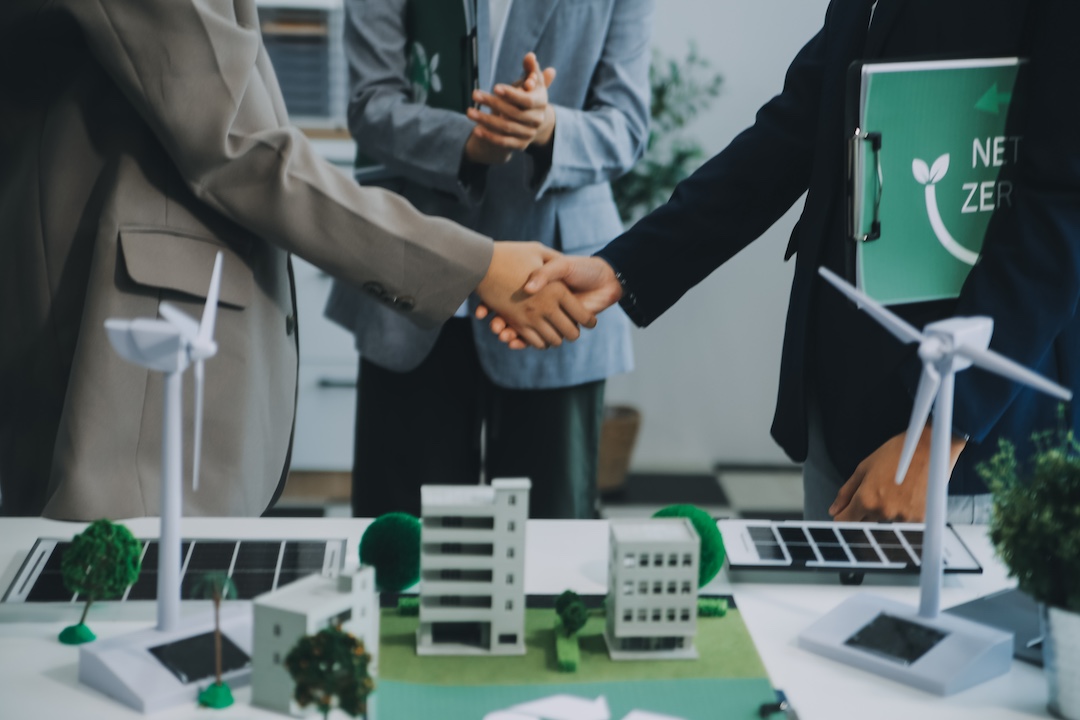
332, 664
572, 611
391, 544
712, 554
216, 586
101, 562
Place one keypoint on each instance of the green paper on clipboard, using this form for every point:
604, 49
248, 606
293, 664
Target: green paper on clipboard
924, 166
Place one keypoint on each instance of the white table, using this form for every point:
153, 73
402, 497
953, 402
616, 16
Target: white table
38, 674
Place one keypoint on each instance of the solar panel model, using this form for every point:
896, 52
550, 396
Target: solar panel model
255, 567
846, 547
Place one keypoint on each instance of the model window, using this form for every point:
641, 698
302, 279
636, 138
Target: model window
671, 614
510, 526
672, 560
630, 561
509, 552
643, 587
628, 616
687, 559
277, 630
513, 499
509, 578
628, 588
509, 604
508, 639
686, 587
685, 614
644, 562
658, 560
642, 615
657, 587
656, 615
671, 587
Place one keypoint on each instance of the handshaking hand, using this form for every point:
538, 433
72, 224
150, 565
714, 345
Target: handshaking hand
589, 280
541, 318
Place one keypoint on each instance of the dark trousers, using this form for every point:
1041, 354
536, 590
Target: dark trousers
447, 423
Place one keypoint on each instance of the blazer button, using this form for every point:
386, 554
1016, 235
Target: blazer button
375, 289
405, 304
290, 324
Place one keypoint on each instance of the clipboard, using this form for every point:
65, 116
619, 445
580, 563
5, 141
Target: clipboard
925, 159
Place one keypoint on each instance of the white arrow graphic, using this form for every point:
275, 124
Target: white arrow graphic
929, 177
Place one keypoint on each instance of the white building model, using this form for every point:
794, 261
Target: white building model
652, 589
302, 608
472, 568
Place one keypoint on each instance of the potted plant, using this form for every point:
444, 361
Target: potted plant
1035, 527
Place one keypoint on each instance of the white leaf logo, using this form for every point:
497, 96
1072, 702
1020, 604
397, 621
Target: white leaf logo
921, 171
939, 168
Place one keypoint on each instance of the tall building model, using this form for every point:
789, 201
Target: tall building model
472, 568
652, 589
302, 608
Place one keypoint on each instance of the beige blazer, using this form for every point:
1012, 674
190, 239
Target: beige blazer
138, 137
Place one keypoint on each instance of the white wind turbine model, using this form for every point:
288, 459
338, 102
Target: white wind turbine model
170, 346
936, 652
151, 669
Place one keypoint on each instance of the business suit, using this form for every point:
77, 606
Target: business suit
138, 138
1028, 278
600, 50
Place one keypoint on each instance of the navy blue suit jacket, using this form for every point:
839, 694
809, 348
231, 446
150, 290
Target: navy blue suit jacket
1028, 278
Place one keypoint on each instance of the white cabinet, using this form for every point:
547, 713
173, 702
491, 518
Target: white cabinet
326, 404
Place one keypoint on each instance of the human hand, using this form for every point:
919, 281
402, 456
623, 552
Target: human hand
520, 115
591, 280
540, 319
871, 494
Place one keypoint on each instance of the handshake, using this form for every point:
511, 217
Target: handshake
537, 297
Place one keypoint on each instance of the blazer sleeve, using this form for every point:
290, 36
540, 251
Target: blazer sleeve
198, 74
1028, 275
418, 142
603, 140
729, 201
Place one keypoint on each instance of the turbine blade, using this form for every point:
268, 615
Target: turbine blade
895, 325
209, 316
199, 378
920, 411
183, 322
1001, 365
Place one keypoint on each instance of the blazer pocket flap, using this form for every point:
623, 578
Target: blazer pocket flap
165, 259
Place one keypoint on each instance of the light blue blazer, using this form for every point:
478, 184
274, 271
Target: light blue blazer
601, 50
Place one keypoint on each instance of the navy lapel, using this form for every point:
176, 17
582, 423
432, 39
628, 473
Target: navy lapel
884, 17
527, 21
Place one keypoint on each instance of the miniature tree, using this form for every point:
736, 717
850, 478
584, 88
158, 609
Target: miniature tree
712, 543
216, 586
391, 545
331, 665
102, 561
572, 611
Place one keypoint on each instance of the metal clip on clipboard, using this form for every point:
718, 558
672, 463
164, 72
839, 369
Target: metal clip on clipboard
857, 177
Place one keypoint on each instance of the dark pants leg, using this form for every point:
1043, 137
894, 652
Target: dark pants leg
551, 437
418, 428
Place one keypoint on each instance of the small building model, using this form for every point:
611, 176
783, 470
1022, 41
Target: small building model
652, 589
472, 568
302, 608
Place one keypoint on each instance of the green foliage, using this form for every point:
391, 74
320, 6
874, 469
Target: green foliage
391, 544
216, 586
101, 562
567, 597
572, 611
712, 607
330, 666
712, 543
680, 92
408, 606
567, 649
1035, 524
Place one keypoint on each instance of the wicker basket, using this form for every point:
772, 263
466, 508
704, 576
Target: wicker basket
617, 437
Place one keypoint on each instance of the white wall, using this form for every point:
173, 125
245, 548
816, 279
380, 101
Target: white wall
707, 370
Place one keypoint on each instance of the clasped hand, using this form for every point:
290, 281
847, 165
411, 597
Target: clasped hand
519, 116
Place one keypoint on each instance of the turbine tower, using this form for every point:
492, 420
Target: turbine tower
938, 652
170, 346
